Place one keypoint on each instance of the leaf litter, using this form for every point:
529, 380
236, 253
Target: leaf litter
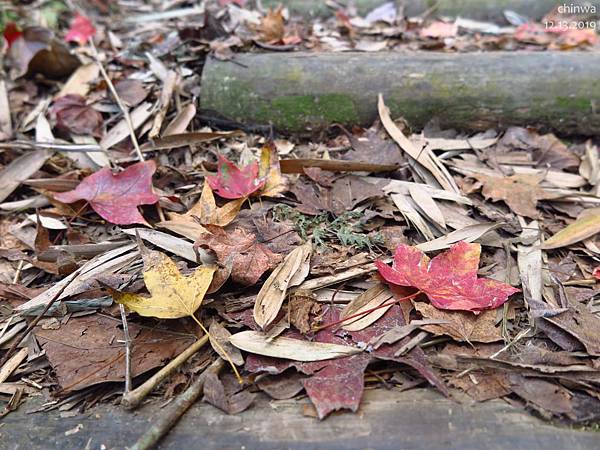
279, 247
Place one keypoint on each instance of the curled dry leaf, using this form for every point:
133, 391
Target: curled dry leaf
116, 197
270, 171
288, 348
250, 259
291, 272
172, 295
204, 212
234, 182
449, 280
272, 26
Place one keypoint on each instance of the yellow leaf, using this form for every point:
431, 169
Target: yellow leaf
204, 212
275, 183
172, 295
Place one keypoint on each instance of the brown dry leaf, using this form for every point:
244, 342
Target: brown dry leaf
483, 385
227, 401
219, 339
131, 92
520, 192
543, 394
301, 307
344, 194
272, 26
462, 326
371, 298
580, 323
291, 272
587, 225
250, 258
84, 351
204, 212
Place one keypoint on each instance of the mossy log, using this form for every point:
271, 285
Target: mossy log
308, 92
492, 10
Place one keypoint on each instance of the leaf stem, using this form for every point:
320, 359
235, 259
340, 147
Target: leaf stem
368, 311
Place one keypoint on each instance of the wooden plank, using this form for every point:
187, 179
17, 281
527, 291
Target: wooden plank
418, 419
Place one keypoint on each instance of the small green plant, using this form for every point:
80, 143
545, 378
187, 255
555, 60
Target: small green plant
323, 228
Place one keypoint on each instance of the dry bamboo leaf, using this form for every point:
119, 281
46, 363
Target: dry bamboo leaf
412, 215
587, 225
172, 295
121, 130
371, 298
181, 121
425, 157
469, 233
426, 204
291, 272
287, 348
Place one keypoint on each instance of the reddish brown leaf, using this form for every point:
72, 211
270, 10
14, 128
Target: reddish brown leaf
250, 259
81, 30
11, 33
234, 182
449, 280
84, 351
116, 197
272, 27
131, 92
75, 116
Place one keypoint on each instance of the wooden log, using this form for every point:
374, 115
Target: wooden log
307, 92
491, 10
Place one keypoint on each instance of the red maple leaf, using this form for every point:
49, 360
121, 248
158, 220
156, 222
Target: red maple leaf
596, 273
449, 280
81, 30
235, 182
116, 197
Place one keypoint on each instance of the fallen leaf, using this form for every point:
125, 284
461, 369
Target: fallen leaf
172, 295
216, 394
75, 116
544, 394
301, 307
344, 194
373, 297
219, 339
579, 322
281, 387
250, 259
232, 182
269, 170
587, 225
259, 343
11, 33
439, 29
37, 50
520, 192
20, 169
131, 92
204, 212
81, 30
449, 280
116, 197
291, 272
272, 27
461, 326
84, 352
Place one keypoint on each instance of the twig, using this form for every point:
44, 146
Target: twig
181, 404
127, 350
134, 398
122, 107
